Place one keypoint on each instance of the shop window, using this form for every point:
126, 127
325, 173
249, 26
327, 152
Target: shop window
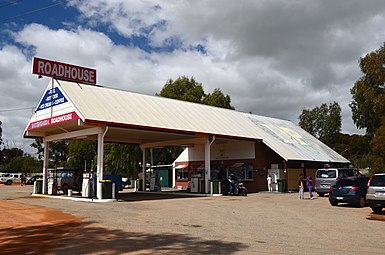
242, 172
182, 174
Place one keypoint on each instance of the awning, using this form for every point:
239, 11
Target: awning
237, 165
181, 166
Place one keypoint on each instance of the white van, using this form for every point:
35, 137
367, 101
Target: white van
326, 177
9, 178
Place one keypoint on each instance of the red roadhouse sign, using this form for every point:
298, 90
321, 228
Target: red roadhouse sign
63, 71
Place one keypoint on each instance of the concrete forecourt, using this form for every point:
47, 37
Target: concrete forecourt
261, 223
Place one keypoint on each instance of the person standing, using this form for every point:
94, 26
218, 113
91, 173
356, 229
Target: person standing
309, 184
301, 186
270, 188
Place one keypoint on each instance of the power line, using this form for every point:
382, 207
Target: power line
17, 109
11, 3
30, 12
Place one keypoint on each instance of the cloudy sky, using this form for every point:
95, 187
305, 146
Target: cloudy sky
273, 57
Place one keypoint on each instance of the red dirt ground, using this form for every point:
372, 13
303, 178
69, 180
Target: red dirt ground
28, 229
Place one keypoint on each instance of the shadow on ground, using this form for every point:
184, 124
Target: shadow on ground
139, 196
377, 216
70, 238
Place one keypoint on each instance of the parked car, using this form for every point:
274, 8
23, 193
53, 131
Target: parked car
9, 178
31, 180
326, 177
375, 196
351, 190
67, 178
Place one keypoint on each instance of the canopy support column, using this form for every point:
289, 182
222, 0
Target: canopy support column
45, 167
208, 144
144, 163
100, 162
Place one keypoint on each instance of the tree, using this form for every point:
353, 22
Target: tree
122, 159
356, 148
58, 151
184, 89
82, 154
322, 122
1, 134
187, 89
8, 154
368, 105
378, 149
25, 164
218, 99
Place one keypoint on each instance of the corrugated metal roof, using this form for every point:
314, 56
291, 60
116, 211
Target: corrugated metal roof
123, 107
101, 104
292, 142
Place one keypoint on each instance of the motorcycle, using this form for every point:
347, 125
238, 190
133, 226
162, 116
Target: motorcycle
234, 188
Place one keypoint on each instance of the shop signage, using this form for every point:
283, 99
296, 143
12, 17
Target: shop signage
53, 120
52, 97
63, 71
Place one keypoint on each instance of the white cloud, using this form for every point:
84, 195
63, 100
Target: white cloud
273, 58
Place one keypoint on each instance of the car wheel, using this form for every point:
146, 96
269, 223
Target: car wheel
361, 202
65, 189
333, 203
8, 182
321, 194
377, 209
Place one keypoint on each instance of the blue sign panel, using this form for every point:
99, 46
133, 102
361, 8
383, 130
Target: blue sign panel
52, 97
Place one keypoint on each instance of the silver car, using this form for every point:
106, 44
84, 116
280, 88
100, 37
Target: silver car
326, 177
375, 196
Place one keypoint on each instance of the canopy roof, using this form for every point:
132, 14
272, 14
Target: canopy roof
137, 118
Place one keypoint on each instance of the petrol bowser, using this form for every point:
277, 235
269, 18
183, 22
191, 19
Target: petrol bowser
87, 185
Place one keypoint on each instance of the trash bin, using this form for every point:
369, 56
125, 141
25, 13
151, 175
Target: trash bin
39, 186
106, 189
282, 187
215, 186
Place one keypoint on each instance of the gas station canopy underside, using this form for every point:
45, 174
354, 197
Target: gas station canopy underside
145, 137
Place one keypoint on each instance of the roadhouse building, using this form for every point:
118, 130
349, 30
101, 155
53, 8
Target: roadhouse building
218, 141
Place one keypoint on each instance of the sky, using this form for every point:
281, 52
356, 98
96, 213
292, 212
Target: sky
272, 57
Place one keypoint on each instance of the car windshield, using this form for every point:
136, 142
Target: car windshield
326, 174
378, 180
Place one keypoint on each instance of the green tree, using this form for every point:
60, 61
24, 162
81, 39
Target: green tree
184, 89
8, 154
58, 151
323, 122
122, 159
378, 149
24, 164
218, 99
356, 148
1, 134
187, 89
82, 154
368, 105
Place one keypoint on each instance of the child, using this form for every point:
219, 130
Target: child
309, 184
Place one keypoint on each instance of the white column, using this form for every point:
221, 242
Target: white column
173, 175
45, 166
144, 168
207, 166
100, 161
